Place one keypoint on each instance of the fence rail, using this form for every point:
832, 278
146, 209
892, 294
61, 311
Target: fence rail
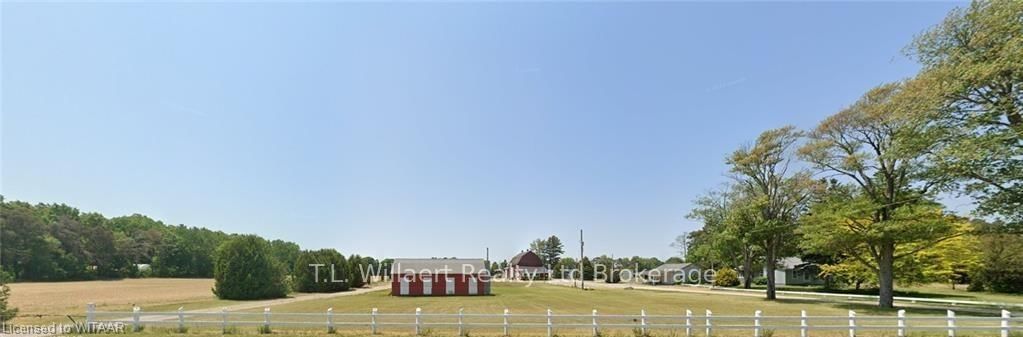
839, 296
707, 324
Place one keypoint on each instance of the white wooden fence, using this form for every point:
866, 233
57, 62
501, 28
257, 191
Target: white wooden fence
870, 298
593, 323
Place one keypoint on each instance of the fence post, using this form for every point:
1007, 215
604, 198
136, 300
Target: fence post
550, 325
1005, 322
902, 323
506, 322
756, 323
223, 317
642, 321
461, 313
689, 322
372, 322
708, 323
330, 320
90, 316
181, 319
951, 323
266, 319
419, 312
803, 327
852, 323
135, 311
596, 328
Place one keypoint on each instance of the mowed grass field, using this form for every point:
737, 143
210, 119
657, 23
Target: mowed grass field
519, 298
49, 302
44, 302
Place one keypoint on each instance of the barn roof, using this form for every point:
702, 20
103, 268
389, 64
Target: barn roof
526, 258
438, 266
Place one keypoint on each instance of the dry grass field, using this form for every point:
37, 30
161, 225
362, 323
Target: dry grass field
41, 302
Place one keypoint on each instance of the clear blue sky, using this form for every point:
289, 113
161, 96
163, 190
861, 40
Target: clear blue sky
422, 129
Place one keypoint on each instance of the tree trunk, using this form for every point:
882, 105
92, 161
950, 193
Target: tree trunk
769, 266
885, 275
747, 270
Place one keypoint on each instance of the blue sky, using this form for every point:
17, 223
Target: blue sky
423, 129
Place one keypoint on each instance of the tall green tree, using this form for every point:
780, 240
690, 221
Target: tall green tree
549, 250
1001, 261
973, 65
245, 269
886, 211
564, 265
356, 271
726, 238
324, 270
286, 253
775, 194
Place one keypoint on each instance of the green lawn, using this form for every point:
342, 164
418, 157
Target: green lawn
519, 298
535, 299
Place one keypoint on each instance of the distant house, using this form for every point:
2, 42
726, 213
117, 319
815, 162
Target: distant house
527, 265
793, 271
439, 277
671, 273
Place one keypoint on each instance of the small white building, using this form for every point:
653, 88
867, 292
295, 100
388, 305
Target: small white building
794, 271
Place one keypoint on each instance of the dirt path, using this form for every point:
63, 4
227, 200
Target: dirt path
280, 301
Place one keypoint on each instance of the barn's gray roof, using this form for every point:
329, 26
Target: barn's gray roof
438, 266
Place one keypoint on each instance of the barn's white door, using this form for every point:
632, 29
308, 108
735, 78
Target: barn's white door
404, 286
427, 285
449, 286
473, 287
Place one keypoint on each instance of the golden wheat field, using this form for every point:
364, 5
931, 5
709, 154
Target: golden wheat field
39, 302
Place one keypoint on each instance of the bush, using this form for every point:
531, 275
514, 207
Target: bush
332, 276
760, 280
6, 313
726, 277
244, 269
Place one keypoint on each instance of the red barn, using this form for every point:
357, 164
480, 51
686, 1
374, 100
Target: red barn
527, 265
439, 277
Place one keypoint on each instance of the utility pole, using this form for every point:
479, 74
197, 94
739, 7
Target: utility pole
582, 271
685, 245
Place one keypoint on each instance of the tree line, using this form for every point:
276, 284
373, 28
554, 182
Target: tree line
57, 242
859, 192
